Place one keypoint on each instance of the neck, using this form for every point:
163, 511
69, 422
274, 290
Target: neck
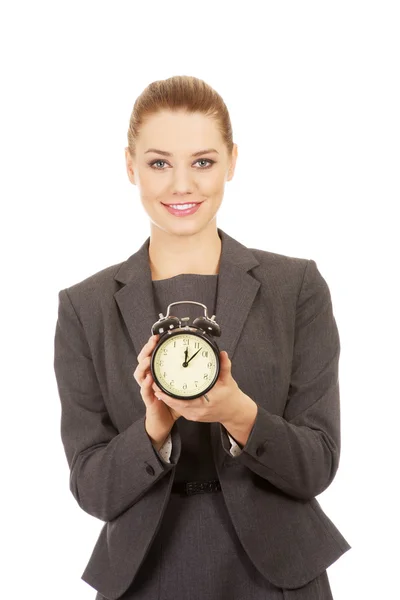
171, 254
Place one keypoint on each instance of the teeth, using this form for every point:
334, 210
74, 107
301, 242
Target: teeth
182, 206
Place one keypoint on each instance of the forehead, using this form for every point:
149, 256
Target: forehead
179, 133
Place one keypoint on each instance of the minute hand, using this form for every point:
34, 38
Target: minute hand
193, 356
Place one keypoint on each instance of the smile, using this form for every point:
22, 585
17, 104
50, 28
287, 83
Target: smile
182, 210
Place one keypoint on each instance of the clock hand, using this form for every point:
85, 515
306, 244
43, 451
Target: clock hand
193, 356
186, 357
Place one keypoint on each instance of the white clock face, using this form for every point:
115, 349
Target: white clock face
201, 367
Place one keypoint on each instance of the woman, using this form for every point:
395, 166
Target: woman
262, 443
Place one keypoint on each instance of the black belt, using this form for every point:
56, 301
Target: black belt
196, 487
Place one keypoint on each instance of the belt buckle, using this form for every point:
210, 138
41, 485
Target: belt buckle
201, 487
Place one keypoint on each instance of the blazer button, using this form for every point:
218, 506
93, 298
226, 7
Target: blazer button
260, 450
150, 470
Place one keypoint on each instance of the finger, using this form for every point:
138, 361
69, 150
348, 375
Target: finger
148, 347
140, 371
146, 351
158, 392
146, 391
171, 402
146, 383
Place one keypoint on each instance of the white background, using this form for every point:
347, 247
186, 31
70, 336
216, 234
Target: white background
313, 93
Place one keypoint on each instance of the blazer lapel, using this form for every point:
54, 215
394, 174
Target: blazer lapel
236, 292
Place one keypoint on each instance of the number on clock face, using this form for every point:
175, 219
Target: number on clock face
200, 371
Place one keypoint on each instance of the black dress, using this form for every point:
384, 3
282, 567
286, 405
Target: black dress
196, 554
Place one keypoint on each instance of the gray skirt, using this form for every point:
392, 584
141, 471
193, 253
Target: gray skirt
197, 555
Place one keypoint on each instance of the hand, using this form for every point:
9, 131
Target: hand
160, 418
226, 399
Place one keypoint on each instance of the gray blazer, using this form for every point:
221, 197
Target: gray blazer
275, 313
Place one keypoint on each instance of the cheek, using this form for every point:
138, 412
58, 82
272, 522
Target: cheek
148, 199
213, 184
150, 185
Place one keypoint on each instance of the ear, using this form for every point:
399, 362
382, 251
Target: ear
232, 166
129, 166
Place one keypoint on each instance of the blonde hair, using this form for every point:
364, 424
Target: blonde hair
181, 92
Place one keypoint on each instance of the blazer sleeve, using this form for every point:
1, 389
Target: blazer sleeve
109, 471
299, 451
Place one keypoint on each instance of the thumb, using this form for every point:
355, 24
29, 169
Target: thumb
225, 364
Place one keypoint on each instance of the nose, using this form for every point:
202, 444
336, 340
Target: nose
183, 180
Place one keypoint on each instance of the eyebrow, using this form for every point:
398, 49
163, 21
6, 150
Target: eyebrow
170, 154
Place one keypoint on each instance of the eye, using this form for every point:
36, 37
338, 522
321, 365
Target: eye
207, 160
155, 162
211, 162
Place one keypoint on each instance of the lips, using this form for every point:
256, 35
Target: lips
182, 212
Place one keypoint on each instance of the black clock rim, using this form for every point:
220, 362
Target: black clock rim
180, 331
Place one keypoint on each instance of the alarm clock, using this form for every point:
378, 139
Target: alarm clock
185, 361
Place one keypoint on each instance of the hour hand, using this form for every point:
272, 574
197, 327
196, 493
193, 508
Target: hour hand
186, 358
